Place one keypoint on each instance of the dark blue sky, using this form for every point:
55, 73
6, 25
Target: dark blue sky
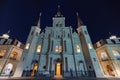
100, 16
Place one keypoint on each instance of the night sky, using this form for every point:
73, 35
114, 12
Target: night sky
100, 16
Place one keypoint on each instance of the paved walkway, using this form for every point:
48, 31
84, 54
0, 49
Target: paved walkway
38, 78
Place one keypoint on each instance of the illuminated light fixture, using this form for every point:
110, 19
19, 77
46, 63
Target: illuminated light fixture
78, 48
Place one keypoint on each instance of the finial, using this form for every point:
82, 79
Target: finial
58, 6
38, 24
79, 20
58, 12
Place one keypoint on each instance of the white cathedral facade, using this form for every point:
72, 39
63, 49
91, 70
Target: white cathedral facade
59, 52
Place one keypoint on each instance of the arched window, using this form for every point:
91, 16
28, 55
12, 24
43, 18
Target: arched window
110, 70
60, 48
13, 55
27, 46
116, 54
39, 48
56, 49
2, 53
78, 48
90, 45
104, 56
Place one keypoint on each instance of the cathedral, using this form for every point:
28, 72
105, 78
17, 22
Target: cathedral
59, 52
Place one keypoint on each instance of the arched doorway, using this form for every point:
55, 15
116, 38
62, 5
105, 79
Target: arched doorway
35, 68
58, 71
58, 68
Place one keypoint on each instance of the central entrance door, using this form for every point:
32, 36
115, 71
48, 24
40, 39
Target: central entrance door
58, 70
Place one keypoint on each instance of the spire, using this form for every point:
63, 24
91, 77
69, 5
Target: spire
79, 20
38, 24
58, 12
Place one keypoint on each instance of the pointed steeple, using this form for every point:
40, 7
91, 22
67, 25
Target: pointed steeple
58, 12
79, 23
38, 24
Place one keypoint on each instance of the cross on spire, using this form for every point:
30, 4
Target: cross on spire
79, 20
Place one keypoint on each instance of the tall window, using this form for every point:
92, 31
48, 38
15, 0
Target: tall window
32, 33
78, 48
27, 46
90, 45
65, 46
39, 48
116, 54
52, 46
66, 63
85, 32
104, 56
56, 49
60, 48
37, 33
51, 64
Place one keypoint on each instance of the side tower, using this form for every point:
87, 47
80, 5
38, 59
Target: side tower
88, 50
29, 51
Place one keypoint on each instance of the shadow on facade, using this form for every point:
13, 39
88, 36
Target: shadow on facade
65, 74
